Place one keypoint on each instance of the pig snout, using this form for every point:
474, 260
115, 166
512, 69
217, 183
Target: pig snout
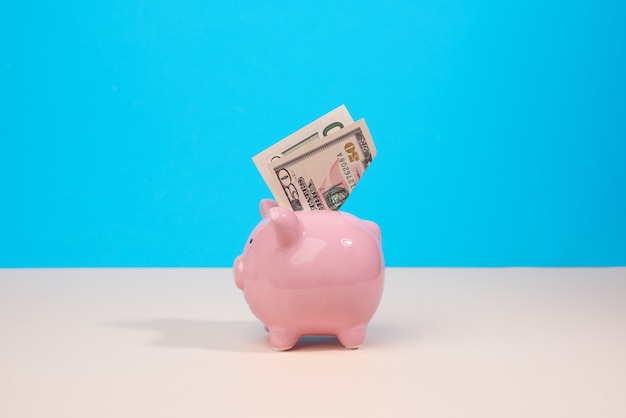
238, 272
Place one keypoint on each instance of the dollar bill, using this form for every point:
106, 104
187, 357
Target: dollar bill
321, 175
319, 128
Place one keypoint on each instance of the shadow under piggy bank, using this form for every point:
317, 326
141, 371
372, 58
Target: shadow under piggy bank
235, 336
232, 336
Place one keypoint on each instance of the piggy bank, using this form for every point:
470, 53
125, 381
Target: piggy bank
311, 273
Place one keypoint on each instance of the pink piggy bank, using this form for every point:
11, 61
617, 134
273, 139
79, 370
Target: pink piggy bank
312, 273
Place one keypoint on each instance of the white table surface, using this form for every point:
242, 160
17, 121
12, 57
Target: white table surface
182, 343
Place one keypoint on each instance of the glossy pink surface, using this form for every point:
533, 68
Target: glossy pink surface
311, 273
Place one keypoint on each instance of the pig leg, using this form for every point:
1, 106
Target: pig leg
352, 337
282, 339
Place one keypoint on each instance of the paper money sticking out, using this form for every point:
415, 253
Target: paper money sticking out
318, 166
322, 127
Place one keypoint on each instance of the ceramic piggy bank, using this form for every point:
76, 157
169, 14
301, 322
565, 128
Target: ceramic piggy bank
311, 273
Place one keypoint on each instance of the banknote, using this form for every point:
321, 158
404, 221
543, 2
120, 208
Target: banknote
321, 175
319, 128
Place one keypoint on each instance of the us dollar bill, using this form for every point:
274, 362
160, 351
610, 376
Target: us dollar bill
318, 129
321, 175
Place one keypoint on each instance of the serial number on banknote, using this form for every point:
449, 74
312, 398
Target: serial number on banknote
343, 163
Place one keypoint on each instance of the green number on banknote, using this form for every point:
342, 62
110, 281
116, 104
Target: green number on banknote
331, 126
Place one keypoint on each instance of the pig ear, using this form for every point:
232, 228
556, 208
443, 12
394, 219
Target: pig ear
287, 225
374, 227
265, 206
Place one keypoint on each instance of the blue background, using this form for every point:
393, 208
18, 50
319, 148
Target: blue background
127, 127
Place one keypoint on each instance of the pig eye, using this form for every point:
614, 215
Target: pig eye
250, 242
